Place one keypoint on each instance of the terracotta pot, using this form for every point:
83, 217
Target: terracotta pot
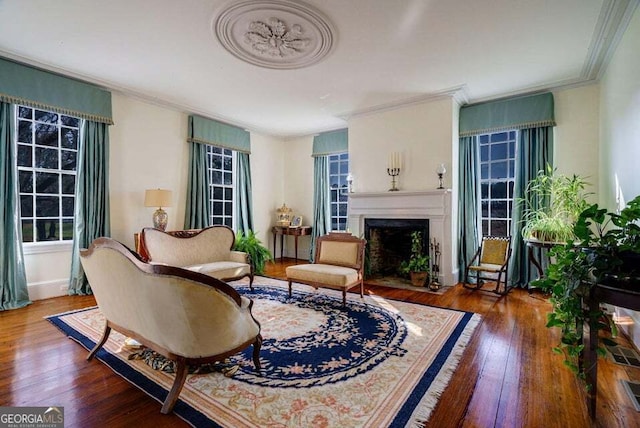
419, 279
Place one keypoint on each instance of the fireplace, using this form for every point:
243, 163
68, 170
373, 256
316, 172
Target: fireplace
389, 242
431, 207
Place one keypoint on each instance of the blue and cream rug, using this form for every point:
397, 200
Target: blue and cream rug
375, 363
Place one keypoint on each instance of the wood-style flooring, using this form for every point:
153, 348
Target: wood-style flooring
508, 376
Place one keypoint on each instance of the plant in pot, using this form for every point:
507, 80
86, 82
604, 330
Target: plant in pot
552, 205
606, 251
417, 267
258, 253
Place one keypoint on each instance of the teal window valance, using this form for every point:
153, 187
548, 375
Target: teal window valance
22, 84
516, 113
331, 142
212, 132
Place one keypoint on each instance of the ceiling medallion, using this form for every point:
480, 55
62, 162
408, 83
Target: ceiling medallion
275, 34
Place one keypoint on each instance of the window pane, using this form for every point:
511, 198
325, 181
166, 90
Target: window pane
216, 177
26, 206
228, 208
484, 153
69, 138
485, 227
334, 210
67, 207
46, 158
70, 121
512, 149
343, 210
25, 112
344, 168
227, 152
46, 116
27, 231
46, 135
498, 190
498, 209
498, 137
498, 151
68, 160
511, 189
26, 181
485, 208
217, 193
333, 168
484, 190
217, 220
47, 230
215, 150
216, 162
24, 155
47, 183
484, 171
227, 179
68, 184
47, 206
217, 208
25, 133
499, 228
499, 170
228, 193
67, 229
228, 163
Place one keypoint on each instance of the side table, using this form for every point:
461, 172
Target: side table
532, 244
292, 231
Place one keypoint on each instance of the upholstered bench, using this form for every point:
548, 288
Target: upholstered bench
338, 264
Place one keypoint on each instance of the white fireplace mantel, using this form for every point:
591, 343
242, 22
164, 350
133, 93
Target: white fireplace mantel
434, 205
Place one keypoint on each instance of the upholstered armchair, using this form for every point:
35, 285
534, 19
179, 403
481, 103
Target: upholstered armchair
338, 264
208, 251
186, 316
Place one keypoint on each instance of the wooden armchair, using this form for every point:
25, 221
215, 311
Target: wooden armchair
492, 259
338, 264
186, 316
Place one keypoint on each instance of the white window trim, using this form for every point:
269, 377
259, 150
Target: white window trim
46, 247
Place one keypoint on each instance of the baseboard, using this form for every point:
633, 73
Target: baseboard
47, 289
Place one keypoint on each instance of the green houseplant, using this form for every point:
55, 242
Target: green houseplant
606, 250
258, 253
417, 267
552, 205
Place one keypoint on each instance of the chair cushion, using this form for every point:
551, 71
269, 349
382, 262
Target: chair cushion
487, 267
221, 270
326, 275
338, 253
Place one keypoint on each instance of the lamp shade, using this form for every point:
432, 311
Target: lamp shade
157, 198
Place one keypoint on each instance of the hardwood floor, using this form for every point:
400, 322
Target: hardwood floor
508, 376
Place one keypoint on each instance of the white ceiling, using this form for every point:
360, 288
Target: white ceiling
386, 53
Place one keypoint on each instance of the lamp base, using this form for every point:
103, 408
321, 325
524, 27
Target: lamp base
160, 218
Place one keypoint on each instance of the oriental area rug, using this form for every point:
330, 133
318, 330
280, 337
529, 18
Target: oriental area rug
374, 363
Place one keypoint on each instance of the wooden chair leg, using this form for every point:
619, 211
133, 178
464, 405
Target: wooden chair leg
362, 289
289, 288
256, 353
105, 336
251, 281
182, 370
344, 297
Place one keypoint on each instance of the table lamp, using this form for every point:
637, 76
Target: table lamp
158, 198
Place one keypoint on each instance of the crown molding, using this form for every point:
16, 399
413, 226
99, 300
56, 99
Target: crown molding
612, 23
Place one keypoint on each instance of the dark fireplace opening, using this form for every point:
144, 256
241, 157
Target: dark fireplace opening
389, 243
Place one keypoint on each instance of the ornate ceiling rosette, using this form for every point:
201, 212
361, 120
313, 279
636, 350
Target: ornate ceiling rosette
275, 34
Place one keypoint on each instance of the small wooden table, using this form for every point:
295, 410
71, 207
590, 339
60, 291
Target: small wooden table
531, 245
286, 230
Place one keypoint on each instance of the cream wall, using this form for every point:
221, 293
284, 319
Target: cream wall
620, 133
576, 136
422, 133
148, 149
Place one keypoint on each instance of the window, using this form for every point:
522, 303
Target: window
220, 166
497, 177
338, 172
47, 144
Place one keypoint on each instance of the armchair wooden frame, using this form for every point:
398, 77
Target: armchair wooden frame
492, 258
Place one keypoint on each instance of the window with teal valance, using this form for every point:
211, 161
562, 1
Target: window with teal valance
331, 142
525, 112
209, 131
22, 84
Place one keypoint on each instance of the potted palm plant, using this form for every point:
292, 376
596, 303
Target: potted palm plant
258, 253
417, 267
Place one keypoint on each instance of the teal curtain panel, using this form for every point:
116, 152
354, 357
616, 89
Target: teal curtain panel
198, 212
321, 201
244, 205
525, 112
13, 278
468, 175
330, 143
92, 210
23, 84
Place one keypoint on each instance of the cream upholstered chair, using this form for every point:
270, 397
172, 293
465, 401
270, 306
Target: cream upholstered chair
492, 259
186, 316
338, 264
207, 251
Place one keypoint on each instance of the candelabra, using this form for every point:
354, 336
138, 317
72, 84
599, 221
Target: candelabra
435, 266
393, 172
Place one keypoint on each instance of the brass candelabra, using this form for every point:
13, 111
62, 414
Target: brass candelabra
393, 172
